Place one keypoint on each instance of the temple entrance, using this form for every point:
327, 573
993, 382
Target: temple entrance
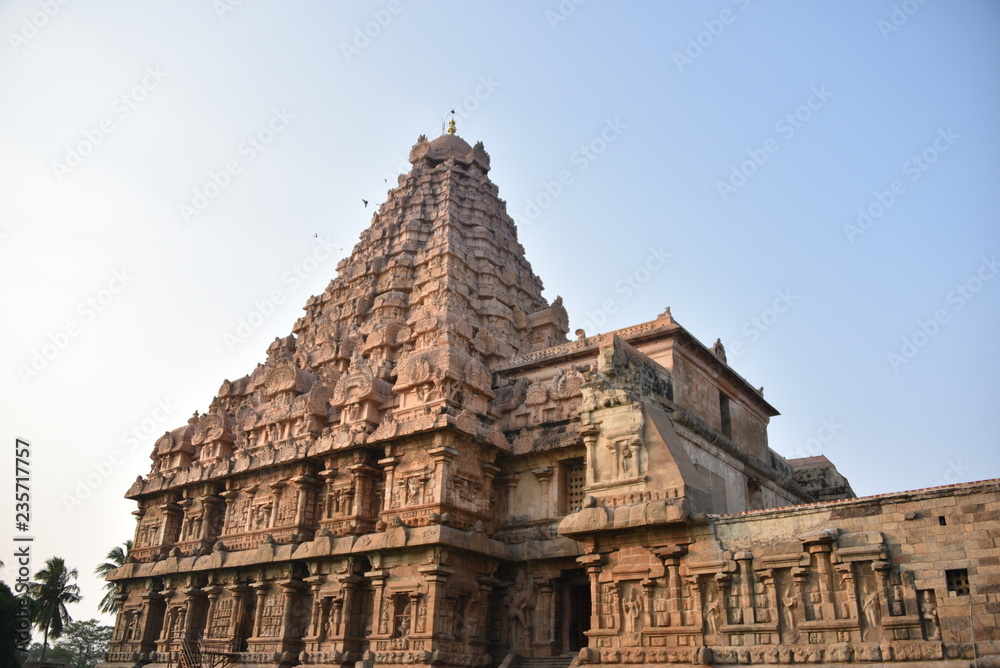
574, 611
579, 618
245, 624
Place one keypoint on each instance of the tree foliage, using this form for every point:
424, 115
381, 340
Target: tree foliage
85, 642
115, 559
52, 590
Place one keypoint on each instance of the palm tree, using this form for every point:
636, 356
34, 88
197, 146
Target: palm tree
115, 559
52, 590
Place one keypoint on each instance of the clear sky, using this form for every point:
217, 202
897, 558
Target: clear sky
813, 183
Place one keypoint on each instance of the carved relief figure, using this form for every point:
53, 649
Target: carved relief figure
518, 610
713, 610
135, 626
789, 603
633, 608
421, 615
413, 490
404, 624
870, 610
928, 615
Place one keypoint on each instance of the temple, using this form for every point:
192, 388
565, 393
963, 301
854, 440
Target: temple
427, 471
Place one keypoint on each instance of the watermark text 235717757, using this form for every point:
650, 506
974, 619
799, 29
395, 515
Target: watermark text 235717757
22, 488
22, 554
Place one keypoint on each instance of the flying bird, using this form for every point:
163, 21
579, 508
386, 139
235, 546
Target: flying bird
365, 201
316, 235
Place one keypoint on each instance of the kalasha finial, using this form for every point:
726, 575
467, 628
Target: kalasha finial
451, 126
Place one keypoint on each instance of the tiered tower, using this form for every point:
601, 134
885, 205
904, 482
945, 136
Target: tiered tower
427, 472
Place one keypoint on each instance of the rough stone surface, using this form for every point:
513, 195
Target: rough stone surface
426, 471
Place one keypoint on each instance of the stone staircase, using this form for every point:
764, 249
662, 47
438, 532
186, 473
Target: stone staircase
545, 661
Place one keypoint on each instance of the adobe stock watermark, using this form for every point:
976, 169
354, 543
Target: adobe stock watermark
485, 87
145, 431
914, 167
292, 278
224, 7
248, 150
958, 298
755, 327
87, 310
365, 34
786, 126
121, 108
704, 39
562, 12
901, 13
953, 473
630, 283
581, 159
813, 446
32, 25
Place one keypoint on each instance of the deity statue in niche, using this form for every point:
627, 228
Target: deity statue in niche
713, 610
869, 607
789, 602
518, 609
632, 606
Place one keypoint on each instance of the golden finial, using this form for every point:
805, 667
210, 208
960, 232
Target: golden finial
451, 126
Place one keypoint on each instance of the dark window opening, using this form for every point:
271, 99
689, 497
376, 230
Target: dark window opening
727, 425
958, 581
941, 520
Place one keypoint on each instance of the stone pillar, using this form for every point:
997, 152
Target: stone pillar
192, 596
510, 483
436, 575
349, 586
414, 607
638, 465
697, 617
363, 476
489, 478
290, 627
724, 582
388, 498
592, 563
589, 434
799, 576
315, 631
766, 577
148, 634
671, 556
648, 591
304, 484
229, 496
251, 491
327, 476
163, 642
169, 512
544, 477
213, 594
544, 631
744, 560
260, 590
239, 592
846, 573
213, 515
276, 491
882, 569
185, 530
378, 578
442, 457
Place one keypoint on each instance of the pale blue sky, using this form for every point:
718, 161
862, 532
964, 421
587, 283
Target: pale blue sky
337, 115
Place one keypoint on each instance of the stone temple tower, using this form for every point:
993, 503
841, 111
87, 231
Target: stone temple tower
427, 472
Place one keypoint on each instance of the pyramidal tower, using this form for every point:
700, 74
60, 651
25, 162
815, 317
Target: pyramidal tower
427, 472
